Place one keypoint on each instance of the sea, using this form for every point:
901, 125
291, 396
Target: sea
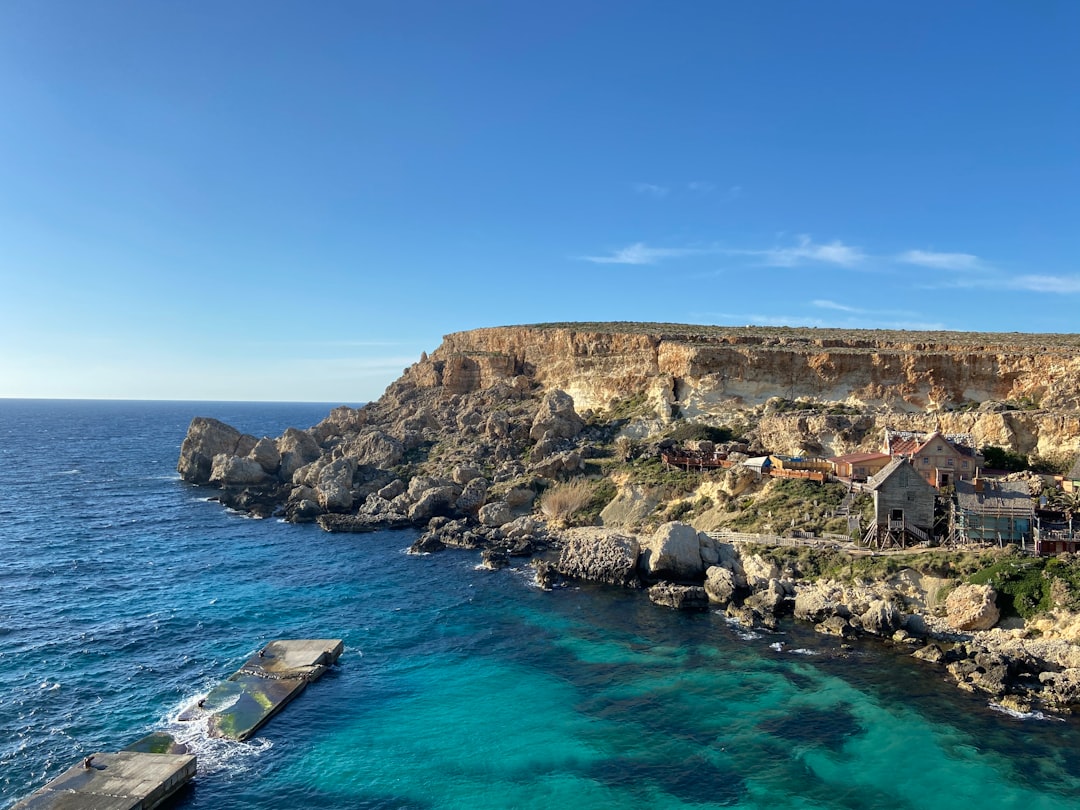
126, 594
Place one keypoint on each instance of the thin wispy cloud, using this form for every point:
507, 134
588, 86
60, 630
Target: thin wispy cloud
1055, 285
1048, 284
701, 186
640, 253
837, 307
941, 261
651, 189
808, 251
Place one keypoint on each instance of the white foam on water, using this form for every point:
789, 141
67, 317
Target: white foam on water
215, 754
1033, 715
803, 651
738, 627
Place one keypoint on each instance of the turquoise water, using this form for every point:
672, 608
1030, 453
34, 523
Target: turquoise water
125, 594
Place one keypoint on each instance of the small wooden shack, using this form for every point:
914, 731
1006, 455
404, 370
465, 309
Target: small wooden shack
859, 466
903, 507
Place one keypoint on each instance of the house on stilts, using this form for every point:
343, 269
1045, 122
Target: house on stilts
903, 507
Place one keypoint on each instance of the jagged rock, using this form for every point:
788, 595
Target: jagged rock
361, 523
333, 486
727, 556
556, 415
931, 652
679, 597
259, 502
835, 626
599, 556
814, 603
673, 552
392, 490
546, 574
494, 559
266, 454
881, 618
769, 601
758, 571
553, 466
972, 607
434, 502
230, 471
297, 449
463, 474
719, 584
520, 497
422, 483
495, 514
473, 495
303, 511
1062, 688
205, 439
376, 448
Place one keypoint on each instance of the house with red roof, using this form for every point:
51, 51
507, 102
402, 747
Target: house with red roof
941, 460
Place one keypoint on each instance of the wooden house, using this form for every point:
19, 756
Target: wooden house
1070, 482
991, 511
940, 460
903, 506
859, 466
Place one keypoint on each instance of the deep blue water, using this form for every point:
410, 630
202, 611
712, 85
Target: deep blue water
125, 594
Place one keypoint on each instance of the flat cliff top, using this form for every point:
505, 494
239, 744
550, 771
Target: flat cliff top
833, 339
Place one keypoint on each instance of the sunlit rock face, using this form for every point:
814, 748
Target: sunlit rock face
1010, 390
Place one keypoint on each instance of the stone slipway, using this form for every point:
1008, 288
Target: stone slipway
126, 780
270, 678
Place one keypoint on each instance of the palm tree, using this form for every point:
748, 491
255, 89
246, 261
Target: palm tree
1067, 502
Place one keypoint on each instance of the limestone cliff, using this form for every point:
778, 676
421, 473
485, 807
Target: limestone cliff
959, 382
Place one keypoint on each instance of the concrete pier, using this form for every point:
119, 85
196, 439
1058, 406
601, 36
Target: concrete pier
152, 769
126, 780
267, 681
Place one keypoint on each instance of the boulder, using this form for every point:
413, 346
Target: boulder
719, 584
464, 473
835, 626
556, 415
881, 618
205, 439
376, 449
231, 471
972, 607
296, 449
679, 597
392, 490
673, 552
333, 484
771, 600
434, 502
495, 514
553, 466
473, 495
815, 603
758, 571
266, 455
599, 556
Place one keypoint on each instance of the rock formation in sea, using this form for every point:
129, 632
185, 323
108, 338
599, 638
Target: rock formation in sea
504, 439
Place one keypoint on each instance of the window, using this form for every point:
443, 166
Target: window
926, 461
952, 462
963, 463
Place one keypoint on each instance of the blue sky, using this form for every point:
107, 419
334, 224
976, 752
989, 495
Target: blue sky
290, 201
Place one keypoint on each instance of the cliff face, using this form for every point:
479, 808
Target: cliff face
906, 380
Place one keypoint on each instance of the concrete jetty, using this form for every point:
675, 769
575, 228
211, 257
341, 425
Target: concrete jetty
125, 780
268, 680
152, 769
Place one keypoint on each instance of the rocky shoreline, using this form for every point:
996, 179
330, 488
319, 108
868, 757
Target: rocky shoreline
478, 452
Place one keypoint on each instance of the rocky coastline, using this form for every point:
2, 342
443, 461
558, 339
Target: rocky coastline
479, 449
